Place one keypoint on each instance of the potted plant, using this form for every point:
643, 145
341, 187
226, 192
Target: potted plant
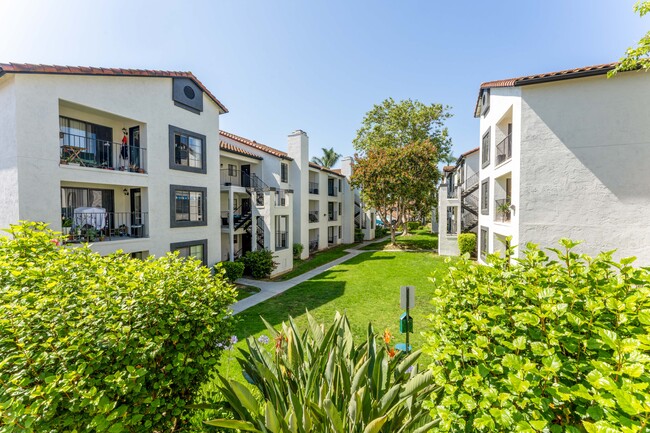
504, 209
66, 225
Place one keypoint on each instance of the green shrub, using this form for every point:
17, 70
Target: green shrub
380, 232
543, 344
258, 264
91, 343
321, 381
467, 243
297, 250
358, 235
413, 225
232, 271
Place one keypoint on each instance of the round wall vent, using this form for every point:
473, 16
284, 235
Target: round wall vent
189, 92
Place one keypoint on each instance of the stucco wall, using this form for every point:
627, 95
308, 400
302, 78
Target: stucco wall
584, 170
145, 100
9, 155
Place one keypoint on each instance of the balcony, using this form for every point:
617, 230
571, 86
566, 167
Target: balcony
332, 191
504, 150
87, 151
331, 240
332, 216
313, 187
313, 245
452, 192
281, 198
502, 210
97, 225
313, 216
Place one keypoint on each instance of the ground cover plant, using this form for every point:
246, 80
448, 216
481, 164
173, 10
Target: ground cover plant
321, 380
417, 240
556, 343
91, 343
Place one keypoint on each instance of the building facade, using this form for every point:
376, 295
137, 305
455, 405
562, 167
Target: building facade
123, 159
564, 155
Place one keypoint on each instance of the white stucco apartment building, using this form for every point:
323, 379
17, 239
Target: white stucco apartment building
458, 202
123, 158
566, 154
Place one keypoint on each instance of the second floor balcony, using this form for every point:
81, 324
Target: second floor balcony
93, 224
504, 150
313, 216
313, 187
502, 210
88, 151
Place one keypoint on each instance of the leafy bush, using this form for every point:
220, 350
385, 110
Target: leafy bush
321, 381
91, 343
258, 264
297, 250
380, 232
467, 243
413, 225
358, 235
543, 344
232, 271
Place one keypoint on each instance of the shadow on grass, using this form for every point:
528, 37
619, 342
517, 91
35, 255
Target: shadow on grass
365, 257
307, 296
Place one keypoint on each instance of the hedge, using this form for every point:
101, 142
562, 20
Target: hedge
231, 271
467, 243
91, 343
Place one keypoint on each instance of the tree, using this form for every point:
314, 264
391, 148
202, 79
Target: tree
638, 57
397, 181
399, 146
329, 158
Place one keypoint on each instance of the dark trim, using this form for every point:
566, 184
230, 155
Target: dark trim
172, 151
172, 206
489, 148
242, 154
526, 81
187, 107
483, 253
176, 245
484, 211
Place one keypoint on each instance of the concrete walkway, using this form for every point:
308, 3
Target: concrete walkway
269, 289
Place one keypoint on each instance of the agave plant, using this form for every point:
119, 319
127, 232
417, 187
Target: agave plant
321, 381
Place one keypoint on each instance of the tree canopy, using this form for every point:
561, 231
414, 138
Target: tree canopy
329, 158
637, 57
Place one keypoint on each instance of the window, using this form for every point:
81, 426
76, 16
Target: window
188, 207
340, 232
340, 209
196, 249
372, 221
485, 197
284, 172
331, 212
331, 237
331, 187
186, 150
281, 232
232, 170
485, 149
484, 241
93, 143
140, 255
340, 185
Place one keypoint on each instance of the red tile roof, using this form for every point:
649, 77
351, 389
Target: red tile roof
448, 168
336, 171
227, 147
469, 152
24, 68
255, 145
566, 74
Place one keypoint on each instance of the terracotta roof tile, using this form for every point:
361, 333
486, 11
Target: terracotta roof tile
254, 144
448, 168
227, 147
566, 74
25, 68
336, 171
469, 152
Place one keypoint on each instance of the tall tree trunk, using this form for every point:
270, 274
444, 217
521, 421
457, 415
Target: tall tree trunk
392, 234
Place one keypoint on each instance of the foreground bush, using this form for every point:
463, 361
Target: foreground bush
321, 381
259, 264
543, 345
467, 243
232, 271
90, 343
358, 235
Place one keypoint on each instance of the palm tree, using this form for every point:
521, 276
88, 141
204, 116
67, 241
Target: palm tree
329, 158
448, 159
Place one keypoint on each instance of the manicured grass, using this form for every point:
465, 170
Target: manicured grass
245, 291
316, 260
417, 240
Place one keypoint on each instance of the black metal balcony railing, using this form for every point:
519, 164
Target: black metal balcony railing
504, 149
502, 210
313, 187
281, 198
471, 182
332, 216
281, 240
95, 153
313, 245
332, 191
313, 216
100, 226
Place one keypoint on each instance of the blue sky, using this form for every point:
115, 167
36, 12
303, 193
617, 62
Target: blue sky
321, 65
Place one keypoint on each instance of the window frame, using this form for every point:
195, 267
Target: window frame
173, 189
173, 130
485, 197
186, 244
284, 172
484, 241
485, 152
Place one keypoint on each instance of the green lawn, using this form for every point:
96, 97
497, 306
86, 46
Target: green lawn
417, 240
316, 260
245, 291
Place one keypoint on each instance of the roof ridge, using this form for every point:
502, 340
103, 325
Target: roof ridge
31, 68
254, 144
